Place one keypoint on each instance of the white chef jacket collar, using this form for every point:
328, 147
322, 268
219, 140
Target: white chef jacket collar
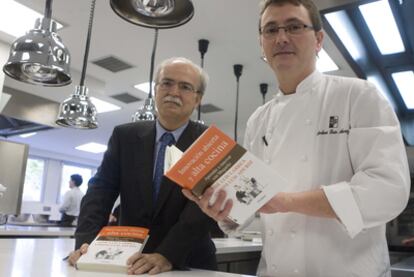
305, 86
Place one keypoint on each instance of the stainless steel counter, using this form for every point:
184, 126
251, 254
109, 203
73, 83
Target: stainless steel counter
405, 268
43, 258
9, 230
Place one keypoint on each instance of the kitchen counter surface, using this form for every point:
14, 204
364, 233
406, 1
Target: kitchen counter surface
43, 258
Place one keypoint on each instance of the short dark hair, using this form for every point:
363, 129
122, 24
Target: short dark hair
77, 179
313, 11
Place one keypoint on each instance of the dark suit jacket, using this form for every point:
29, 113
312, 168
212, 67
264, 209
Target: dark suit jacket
179, 230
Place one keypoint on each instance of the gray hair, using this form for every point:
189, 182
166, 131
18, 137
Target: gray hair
203, 75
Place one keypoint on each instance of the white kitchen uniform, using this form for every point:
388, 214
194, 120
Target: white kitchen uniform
71, 202
342, 135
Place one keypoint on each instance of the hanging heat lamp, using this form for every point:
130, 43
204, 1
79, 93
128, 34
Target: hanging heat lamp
148, 112
156, 14
40, 57
160, 14
78, 111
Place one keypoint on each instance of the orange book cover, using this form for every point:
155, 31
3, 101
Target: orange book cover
216, 160
204, 155
123, 232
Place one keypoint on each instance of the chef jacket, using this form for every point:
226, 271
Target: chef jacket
339, 134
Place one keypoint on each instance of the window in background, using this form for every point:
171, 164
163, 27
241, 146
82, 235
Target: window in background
34, 180
67, 171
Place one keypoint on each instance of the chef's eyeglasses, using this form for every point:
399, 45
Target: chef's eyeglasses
270, 31
183, 87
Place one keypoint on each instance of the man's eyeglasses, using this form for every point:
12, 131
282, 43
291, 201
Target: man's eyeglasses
271, 31
168, 84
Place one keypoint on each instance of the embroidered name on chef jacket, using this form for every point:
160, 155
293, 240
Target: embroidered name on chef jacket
332, 126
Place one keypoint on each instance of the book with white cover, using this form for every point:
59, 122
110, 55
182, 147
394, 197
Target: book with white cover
112, 247
216, 160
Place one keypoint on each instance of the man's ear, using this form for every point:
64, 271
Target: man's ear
319, 40
261, 48
199, 96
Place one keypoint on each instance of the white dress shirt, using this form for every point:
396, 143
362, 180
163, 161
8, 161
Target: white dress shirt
342, 135
71, 202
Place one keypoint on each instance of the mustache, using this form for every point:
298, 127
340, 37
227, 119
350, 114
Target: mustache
173, 99
283, 49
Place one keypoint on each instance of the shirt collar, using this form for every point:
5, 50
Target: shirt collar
309, 82
305, 85
159, 131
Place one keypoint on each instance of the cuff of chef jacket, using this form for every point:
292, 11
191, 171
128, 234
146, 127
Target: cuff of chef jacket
343, 203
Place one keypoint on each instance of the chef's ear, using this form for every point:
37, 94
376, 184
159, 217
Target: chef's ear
319, 40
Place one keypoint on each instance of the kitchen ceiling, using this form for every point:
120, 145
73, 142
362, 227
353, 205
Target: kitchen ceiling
231, 28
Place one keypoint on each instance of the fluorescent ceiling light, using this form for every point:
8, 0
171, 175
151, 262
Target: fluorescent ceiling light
340, 23
92, 147
16, 19
145, 87
404, 81
324, 63
27, 135
381, 23
103, 106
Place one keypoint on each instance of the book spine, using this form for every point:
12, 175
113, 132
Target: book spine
125, 239
130, 233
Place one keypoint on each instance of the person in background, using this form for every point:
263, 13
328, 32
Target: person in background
337, 142
132, 168
71, 201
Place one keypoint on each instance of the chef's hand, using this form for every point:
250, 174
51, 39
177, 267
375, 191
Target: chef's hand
215, 210
75, 255
148, 263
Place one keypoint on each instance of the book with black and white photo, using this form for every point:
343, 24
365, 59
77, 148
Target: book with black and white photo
216, 160
112, 247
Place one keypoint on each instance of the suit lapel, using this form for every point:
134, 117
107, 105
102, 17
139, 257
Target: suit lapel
185, 140
144, 163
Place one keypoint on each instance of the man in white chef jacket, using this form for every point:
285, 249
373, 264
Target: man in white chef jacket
337, 142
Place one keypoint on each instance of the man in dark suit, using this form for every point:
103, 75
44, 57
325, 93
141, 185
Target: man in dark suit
179, 230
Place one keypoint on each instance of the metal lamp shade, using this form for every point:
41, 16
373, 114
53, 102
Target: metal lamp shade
39, 57
78, 111
161, 14
146, 113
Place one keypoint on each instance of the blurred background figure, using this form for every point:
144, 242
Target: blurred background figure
71, 201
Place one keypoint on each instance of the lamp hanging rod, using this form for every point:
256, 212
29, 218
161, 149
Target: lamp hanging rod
48, 9
202, 48
238, 69
88, 43
154, 49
